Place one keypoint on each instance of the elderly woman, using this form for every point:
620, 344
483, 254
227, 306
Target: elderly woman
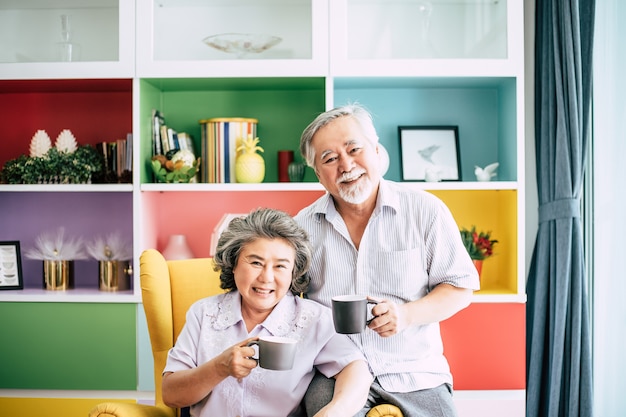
263, 259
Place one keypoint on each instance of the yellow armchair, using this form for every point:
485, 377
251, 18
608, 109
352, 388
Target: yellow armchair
168, 288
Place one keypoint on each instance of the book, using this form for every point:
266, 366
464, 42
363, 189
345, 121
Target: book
172, 137
165, 142
157, 122
112, 161
121, 156
129, 153
185, 141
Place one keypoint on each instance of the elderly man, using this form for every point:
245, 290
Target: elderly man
398, 246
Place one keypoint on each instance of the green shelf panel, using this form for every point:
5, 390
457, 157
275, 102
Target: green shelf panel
282, 106
68, 346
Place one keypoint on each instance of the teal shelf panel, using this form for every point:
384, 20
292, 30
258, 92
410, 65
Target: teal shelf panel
68, 346
483, 109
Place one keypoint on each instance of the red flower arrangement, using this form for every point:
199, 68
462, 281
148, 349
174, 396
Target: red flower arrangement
479, 245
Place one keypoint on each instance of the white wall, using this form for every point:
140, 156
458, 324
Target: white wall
609, 282
532, 203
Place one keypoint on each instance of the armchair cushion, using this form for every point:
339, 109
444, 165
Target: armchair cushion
113, 409
385, 410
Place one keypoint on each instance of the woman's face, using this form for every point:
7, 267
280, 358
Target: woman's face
263, 274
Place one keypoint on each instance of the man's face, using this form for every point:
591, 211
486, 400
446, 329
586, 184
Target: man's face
346, 163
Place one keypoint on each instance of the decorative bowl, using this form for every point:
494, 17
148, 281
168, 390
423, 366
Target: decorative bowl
241, 43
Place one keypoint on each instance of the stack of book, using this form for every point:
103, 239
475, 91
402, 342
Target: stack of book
118, 159
166, 140
220, 138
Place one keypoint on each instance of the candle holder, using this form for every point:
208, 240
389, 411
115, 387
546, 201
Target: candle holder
58, 253
58, 275
114, 275
113, 254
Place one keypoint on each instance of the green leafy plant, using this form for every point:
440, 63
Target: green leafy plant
54, 167
179, 173
479, 245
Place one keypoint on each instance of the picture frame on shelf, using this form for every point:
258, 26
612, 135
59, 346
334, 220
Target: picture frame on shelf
11, 266
430, 153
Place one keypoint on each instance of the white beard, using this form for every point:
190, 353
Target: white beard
358, 192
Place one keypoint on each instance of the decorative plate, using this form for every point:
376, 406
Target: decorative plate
241, 43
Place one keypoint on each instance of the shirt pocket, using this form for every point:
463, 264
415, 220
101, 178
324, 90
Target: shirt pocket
399, 275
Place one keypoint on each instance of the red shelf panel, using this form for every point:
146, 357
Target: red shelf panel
94, 110
486, 346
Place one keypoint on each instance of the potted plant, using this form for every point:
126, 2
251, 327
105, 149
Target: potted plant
479, 245
182, 167
65, 163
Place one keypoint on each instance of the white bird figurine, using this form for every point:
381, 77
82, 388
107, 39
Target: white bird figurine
486, 173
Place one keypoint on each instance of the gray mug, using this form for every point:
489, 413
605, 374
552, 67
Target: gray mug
350, 313
275, 353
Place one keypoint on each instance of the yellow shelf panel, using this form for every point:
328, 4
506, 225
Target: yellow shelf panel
495, 211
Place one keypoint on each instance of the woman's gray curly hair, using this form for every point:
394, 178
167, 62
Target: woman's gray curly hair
263, 224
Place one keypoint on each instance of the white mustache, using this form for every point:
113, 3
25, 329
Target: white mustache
351, 176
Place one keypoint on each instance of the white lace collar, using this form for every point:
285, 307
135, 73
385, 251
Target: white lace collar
286, 318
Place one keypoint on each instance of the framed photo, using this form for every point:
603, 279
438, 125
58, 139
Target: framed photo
430, 153
10, 266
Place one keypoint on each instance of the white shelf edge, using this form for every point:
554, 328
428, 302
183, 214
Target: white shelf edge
425, 67
44, 393
512, 394
97, 296
63, 70
79, 295
251, 68
499, 298
314, 186
490, 403
92, 188
462, 395
463, 185
269, 186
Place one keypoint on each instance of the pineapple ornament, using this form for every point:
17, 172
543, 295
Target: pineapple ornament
249, 165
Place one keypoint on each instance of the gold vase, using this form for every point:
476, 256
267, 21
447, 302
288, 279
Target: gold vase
58, 275
114, 275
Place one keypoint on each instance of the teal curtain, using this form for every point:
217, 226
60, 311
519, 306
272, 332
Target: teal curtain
558, 339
